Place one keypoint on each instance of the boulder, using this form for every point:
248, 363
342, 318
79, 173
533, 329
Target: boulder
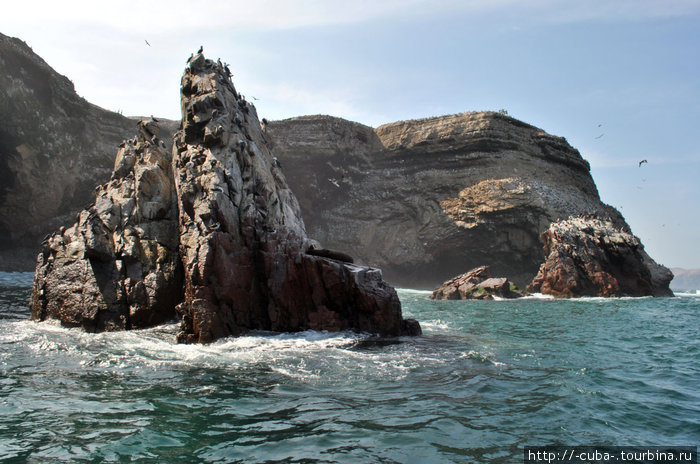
243, 243
591, 256
476, 284
117, 267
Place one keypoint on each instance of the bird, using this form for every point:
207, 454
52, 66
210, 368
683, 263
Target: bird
642, 162
599, 125
201, 49
336, 182
600, 136
154, 119
146, 42
254, 98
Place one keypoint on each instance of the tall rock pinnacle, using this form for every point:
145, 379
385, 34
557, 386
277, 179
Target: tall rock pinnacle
248, 262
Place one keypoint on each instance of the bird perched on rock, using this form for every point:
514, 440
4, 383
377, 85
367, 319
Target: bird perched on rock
201, 49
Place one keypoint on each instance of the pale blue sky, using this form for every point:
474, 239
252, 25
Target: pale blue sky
632, 67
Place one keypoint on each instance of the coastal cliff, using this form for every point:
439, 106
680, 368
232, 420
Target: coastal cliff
431, 198
55, 147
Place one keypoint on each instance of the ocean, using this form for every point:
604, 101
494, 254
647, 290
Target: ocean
486, 379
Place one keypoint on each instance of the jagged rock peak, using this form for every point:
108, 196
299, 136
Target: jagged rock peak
242, 240
591, 256
118, 266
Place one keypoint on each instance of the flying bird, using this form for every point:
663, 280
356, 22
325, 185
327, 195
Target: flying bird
642, 162
600, 136
146, 42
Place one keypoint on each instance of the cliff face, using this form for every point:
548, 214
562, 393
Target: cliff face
55, 147
428, 199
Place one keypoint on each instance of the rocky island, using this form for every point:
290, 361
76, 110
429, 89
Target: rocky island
217, 219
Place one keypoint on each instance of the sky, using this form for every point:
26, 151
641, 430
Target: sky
620, 79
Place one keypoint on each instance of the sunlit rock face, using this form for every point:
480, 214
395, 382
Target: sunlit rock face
242, 240
117, 267
429, 199
588, 256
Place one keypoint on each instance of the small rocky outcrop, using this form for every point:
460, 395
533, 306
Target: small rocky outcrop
477, 284
247, 260
118, 266
589, 256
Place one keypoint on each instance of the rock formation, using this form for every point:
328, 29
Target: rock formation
242, 240
55, 147
477, 284
588, 256
426, 199
216, 219
118, 266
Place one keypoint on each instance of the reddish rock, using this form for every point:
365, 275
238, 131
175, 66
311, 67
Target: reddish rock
592, 257
476, 284
242, 240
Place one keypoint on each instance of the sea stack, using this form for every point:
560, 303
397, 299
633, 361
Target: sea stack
242, 239
210, 232
591, 256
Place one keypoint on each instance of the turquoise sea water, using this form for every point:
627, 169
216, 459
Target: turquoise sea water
485, 380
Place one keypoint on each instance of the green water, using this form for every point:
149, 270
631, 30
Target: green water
485, 379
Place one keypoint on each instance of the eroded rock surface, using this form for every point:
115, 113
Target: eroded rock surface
242, 240
477, 284
588, 256
426, 199
118, 266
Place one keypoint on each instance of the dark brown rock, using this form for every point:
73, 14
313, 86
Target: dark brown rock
594, 257
476, 284
118, 266
242, 240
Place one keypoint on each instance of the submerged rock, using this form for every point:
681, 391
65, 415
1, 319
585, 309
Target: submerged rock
589, 256
118, 266
242, 240
476, 284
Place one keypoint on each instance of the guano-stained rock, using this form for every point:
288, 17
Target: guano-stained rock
242, 240
118, 266
589, 256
